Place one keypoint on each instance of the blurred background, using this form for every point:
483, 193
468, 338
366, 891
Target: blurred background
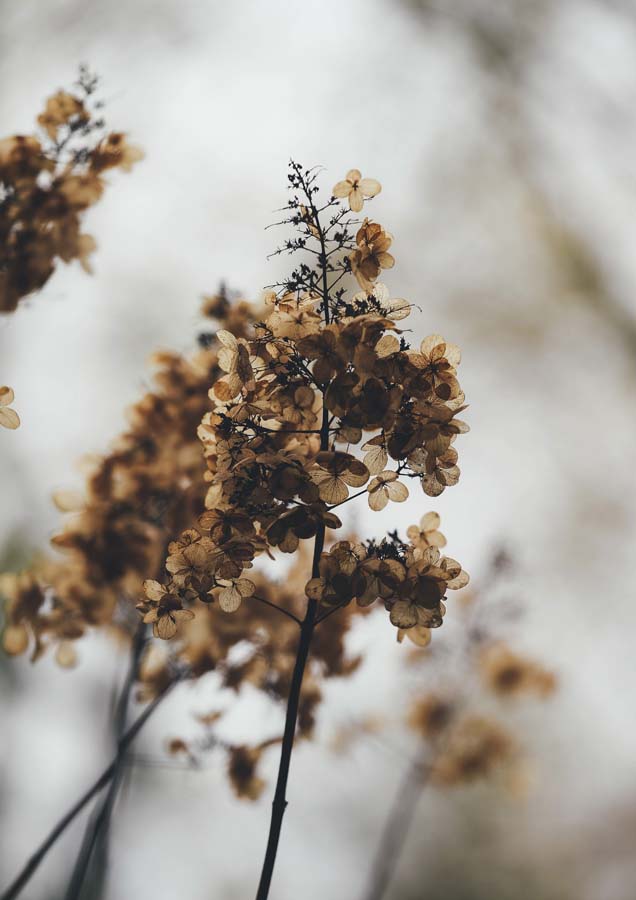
504, 134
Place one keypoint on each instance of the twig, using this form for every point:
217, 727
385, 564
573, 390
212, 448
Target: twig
279, 803
280, 609
95, 835
32, 864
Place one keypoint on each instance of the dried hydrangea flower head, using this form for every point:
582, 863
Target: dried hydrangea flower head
321, 401
8, 417
47, 182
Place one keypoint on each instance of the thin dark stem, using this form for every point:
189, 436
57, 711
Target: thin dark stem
279, 803
94, 844
280, 609
396, 828
329, 612
32, 864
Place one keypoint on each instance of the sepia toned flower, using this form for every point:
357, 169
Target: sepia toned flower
385, 487
356, 188
426, 534
371, 254
163, 609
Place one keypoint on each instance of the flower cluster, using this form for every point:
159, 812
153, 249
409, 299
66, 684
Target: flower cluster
149, 486
410, 581
47, 182
321, 397
462, 743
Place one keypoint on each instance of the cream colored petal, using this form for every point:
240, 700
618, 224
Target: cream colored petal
6, 396
227, 339
68, 501
164, 628
15, 640
403, 614
432, 340
376, 459
430, 521
245, 587
356, 200
420, 635
9, 418
353, 175
386, 260
459, 582
370, 187
397, 492
386, 345
65, 655
453, 354
333, 490
342, 189
431, 486
378, 499
154, 590
230, 599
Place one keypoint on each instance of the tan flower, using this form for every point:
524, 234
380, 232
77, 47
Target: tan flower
385, 487
427, 534
8, 417
60, 109
163, 609
335, 471
355, 188
419, 635
371, 255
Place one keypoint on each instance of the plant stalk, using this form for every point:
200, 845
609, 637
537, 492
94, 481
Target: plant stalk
33, 863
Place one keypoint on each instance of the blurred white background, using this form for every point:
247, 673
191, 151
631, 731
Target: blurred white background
504, 134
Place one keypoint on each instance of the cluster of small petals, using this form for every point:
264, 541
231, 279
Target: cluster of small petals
409, 580
47, 182
8, 417
427, 533
371, 254
385, 487
355, 189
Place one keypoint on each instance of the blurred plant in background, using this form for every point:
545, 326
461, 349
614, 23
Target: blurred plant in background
47, 182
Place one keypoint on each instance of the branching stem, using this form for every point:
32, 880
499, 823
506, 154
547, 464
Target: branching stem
32, 864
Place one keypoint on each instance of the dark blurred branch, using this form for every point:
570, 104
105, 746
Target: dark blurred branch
32, 864
396, 827
94, 846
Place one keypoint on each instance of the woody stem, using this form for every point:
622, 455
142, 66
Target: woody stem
279, 803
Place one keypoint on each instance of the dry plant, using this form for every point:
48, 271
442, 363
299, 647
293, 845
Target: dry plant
315, 391
460, 739
48, 180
